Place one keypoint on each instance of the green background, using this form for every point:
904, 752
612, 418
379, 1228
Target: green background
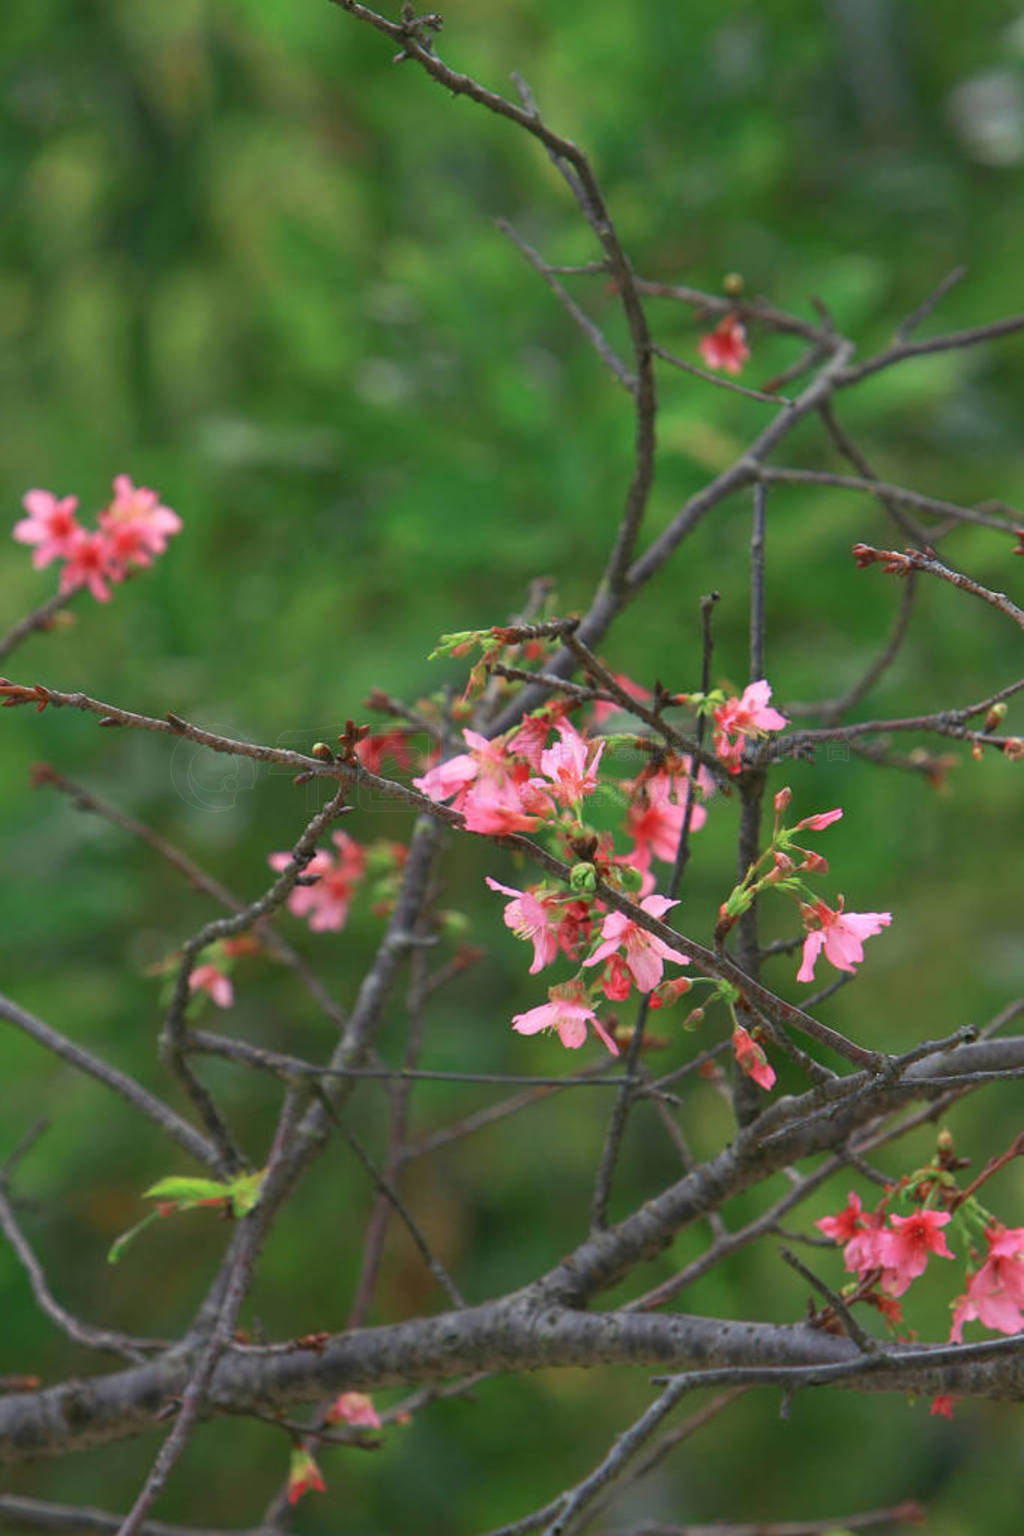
251, 263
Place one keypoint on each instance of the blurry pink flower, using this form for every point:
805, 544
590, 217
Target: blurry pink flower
50, 525
942, 1404
569, 1016
841, 935
354, 1408
207, 978
603, 708
655, 820
726, 346
748, 715
751, 1058
135, 523
645, 954
326, 902
571, 765
372, 750
904, 1249
995, 1292
88, 565
530, 917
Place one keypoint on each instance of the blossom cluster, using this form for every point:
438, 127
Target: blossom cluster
132, 529
888, 1252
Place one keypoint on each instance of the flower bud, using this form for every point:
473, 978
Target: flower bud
1014, 749
322, 751
733, 284
995, 716
782, 799
630, 878
693, 1019
583, 878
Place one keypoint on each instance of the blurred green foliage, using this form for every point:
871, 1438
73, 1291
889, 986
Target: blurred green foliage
250, 263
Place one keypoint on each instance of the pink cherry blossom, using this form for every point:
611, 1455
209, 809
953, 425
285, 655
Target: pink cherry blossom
751, 1058
531, 739
354, 1408
849, 1221
89, 564
136, 524
654, 819
569, 1016
326, 902
533, 918
207, 978
603, 708
841, 935
571, 765
726, 346
819, 822
645, 954
500, 808
449, 778
995, 1292
749, 715
616, 982
50, 525
904, 1249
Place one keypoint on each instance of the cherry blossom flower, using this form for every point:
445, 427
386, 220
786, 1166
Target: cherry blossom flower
568, 1015
846, 1224
531, 739
995, 1292
616, 982
50, 525
89, 564
354, 1408
452, 777
751, 1058
904, 1249
571, 765
136, 524
499, 808
603, 708
534, 918
749, 715
645, 953
372, 750
655, 820
840, 934
303, 1474
326, 902
726, 346
207, 978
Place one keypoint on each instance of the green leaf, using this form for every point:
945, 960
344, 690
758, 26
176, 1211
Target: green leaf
187, 1193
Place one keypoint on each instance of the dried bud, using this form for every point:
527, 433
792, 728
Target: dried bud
1014, 748
977, 751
